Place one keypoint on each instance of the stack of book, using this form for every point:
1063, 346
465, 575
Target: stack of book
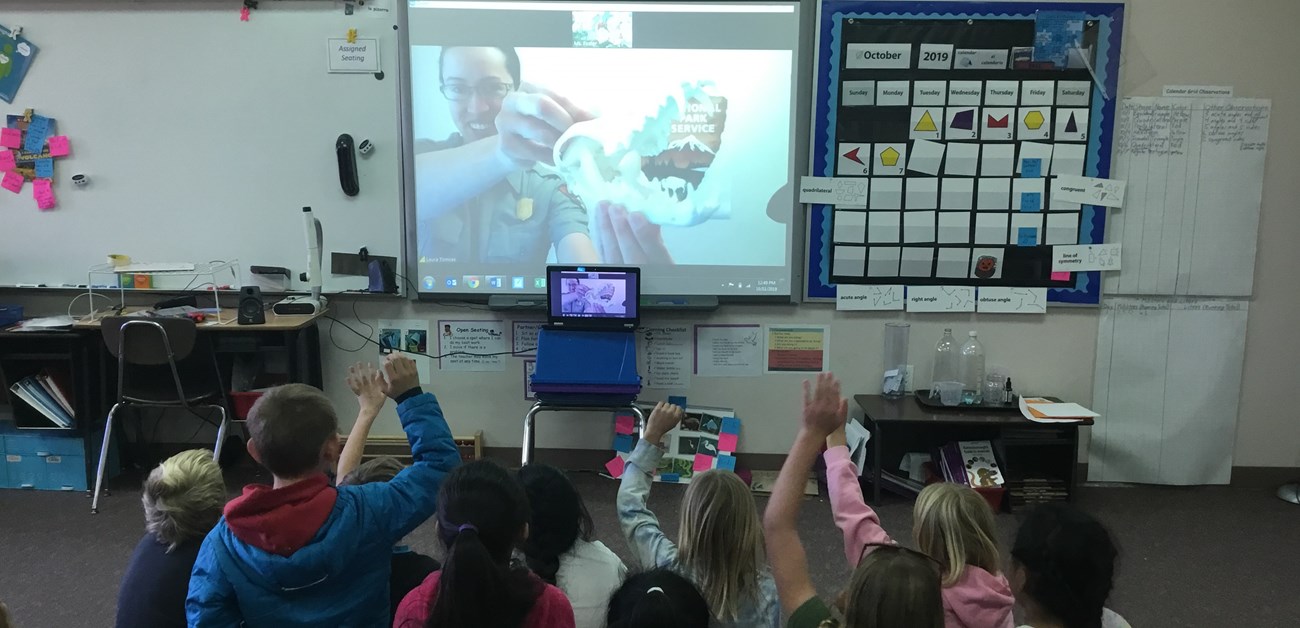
47, 394
970, 462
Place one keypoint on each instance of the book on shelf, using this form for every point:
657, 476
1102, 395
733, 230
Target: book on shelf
980, 464
33, 392
57, 383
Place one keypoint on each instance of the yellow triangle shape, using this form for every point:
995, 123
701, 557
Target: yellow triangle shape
926, 123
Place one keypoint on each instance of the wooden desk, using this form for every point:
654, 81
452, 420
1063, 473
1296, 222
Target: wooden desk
1049, 447
274, 322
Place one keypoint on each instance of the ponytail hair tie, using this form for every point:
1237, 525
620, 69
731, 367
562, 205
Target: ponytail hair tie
654, 590
467, 526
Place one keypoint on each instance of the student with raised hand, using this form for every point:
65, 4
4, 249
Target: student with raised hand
658, 598
1063, 568
182, 500
408, 568
951, 523
893, 587
721, 538
561, 549
302, 552
482, 517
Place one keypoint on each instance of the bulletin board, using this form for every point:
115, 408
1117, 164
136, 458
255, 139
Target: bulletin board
959, 128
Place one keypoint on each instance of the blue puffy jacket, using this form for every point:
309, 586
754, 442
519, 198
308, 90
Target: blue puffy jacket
340, 576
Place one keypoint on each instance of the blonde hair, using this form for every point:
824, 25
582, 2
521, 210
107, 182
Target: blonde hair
183, 497
5, 620
894, 587
721, 546
955, 525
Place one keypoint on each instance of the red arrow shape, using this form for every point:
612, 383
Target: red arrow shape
853, 154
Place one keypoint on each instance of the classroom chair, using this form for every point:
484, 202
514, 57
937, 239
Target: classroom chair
161, 362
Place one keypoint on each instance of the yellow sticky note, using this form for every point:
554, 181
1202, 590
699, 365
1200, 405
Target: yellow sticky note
524, 208
352, 35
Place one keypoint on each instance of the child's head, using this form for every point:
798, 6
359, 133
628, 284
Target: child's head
721, 542
1063, 565
381, 469
955, 525
894, 587
482, 516
559, 518
294, 431
183, 498
657, 598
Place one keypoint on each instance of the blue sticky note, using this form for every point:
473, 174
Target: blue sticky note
1031, 201
1031, 167
1027, 236
45, 168
730, 425
37, 130
623, 443
678, 401
669, 477
727, 462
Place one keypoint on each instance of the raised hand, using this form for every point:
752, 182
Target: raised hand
402, 375
368, 384
662, 420
824, 409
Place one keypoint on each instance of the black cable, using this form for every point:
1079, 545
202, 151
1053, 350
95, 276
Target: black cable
434, 357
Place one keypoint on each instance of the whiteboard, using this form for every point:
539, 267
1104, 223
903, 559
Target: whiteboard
203, 138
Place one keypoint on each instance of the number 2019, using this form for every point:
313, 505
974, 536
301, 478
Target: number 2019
934, 56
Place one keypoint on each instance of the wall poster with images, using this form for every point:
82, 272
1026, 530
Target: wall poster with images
961, 118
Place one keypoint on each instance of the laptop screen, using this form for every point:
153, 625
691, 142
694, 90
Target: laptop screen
591, 297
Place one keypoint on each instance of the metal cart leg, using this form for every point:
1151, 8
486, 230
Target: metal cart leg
529, 436
103, 458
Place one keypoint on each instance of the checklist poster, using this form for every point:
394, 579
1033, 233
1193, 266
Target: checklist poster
960, 129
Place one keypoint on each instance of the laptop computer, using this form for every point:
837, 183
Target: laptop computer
593, 298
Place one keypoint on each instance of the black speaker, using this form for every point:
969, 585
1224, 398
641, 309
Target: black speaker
251, 310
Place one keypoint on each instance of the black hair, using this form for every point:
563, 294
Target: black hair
481, 512
658, 598
1069, 562
560, 518
512, 62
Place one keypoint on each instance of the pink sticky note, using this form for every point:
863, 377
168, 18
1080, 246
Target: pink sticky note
12, 182
615, 467
1064, 276
7, 161
624, 424
11, 138
727, 442
703, 462
59, 146
43, 194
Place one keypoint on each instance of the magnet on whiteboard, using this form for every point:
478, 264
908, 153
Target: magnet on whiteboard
80, 179
365, 147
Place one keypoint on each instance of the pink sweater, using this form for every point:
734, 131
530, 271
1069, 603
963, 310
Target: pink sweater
551, 610
979, 600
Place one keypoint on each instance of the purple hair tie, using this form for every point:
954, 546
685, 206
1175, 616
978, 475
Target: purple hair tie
467, 526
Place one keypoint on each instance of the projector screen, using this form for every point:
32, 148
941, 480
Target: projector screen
649, 134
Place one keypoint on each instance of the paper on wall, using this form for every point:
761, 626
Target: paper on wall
797, 348
837, 191
940, 299
472, 345
1089, 191
866, 297
995, 299
523, 337
728, 350
1085, 257
665, 355
410, 336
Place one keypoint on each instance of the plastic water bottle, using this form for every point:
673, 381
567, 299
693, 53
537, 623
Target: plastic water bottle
972, 371
945, 362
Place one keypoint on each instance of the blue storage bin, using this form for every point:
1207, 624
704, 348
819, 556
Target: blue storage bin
44, 460
4, 466
63, 473
25, 471
10, 313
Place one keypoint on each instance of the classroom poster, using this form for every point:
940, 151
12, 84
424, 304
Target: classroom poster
728, 350
797, 348
530, 367
16, 55
665, 354
410, 336
523, 337
473, 346
706, 439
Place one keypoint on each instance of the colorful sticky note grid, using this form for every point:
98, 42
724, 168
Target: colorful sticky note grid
37, 130
1030, 167
703, 463
13, 182
727, 462
623, 443
730, 425
45, 168
11, 138
7, 161
727, 442
1061, 276
670, 477
59, 146
44, 194
615, 467
1031, 201
678, 400
624, 424
1027, 236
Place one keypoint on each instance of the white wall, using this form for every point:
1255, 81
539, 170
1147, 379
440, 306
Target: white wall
1247, 43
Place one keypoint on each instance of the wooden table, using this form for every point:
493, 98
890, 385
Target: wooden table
929, 428
229, 316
